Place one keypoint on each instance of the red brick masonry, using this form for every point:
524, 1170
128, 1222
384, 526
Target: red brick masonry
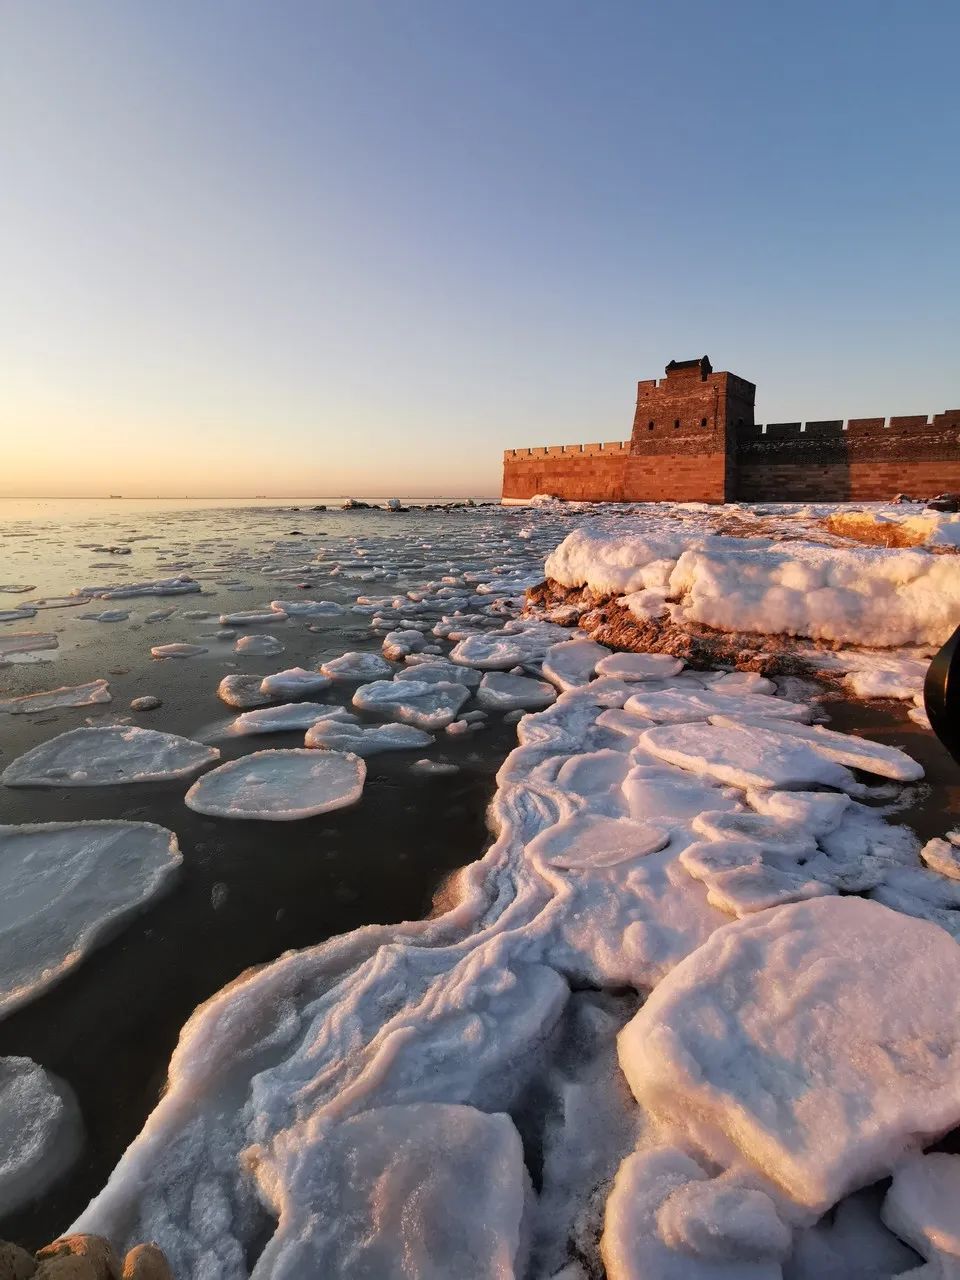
694, 440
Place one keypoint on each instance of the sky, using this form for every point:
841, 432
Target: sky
302, 247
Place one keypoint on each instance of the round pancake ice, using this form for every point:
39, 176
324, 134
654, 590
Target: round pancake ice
280, 786
105, 755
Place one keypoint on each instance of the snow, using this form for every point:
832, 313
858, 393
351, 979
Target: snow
363, 740
639, 666
426, 705
263, 646
860, 595
589, 843
294, 682
858, 753
356, 666
41, 1132
103, 756
807, 1042
284, 718
502, 692
178, 649
65, 887
279, 786
78, 695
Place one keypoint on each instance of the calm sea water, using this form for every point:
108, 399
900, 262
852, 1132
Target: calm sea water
248, 890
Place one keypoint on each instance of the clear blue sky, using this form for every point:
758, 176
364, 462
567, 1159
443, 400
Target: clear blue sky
288, 247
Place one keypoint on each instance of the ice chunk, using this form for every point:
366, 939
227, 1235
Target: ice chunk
252, 617
660, 1225
177, 650
27, 642
742, 682
583, 844
264, 646
502, 692
307, 608
493, 651
639, 666
279, 786
942, 856
431, 1191
664, 793
808, 1041
41, 1132
104, 755
819, 811
437, 670
17, 615
242, 691
340, 735
294, 682
146, 702
681, 706
921, 1206
67, 886
397, 644
356, 666
429, 706
573, 662
124, 590
78, 695
744, 757
285, 718
847, 748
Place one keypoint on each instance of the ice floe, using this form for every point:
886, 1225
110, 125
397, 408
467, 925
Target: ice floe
178, 649
41, 1132
573, 662
356, 666
243, 691
424, 704
294, 682
279, 786
338, 734
285, 718
26, 642
103, 756
307, 608
121, 590
639, 666
262, 646
503, 692
79, 695
67, 887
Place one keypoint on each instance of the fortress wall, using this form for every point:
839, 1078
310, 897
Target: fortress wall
613, 474
865, 461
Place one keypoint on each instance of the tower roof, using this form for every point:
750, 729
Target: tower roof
698, 362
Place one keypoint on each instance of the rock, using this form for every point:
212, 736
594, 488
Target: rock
15, 1263
944, 502
146, 1262
78, 1258
148, 702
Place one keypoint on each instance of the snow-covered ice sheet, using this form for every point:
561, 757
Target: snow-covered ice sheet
295, 682
357, 666
807, 1042
284, 718
105, 755
337, 734
859, 595
279, 786
67, 886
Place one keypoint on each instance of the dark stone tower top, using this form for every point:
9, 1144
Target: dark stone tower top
700, 364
